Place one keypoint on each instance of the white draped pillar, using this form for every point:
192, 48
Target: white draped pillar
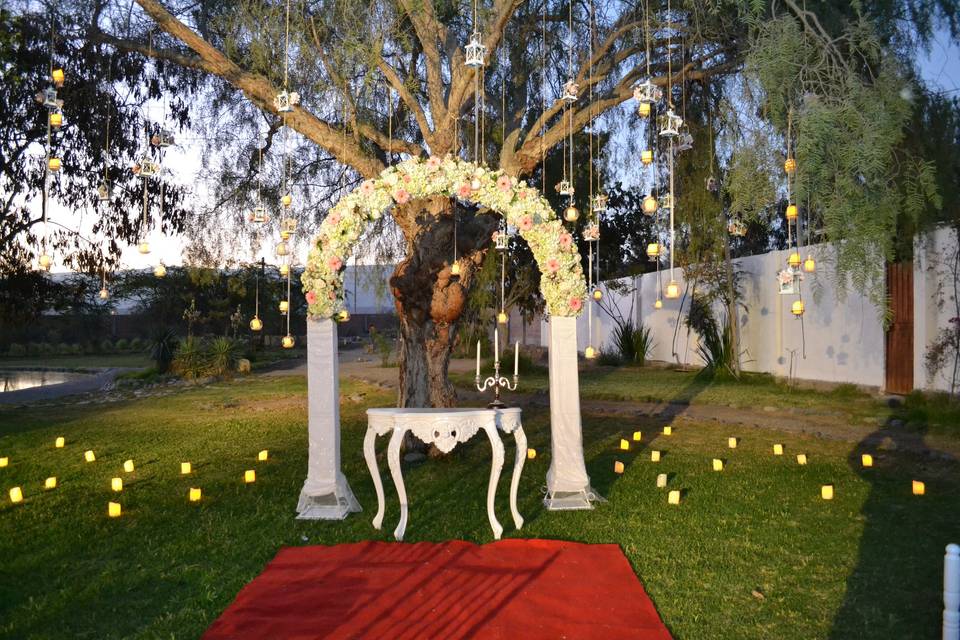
568, 485
326, 495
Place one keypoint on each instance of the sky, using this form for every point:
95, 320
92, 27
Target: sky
939, 67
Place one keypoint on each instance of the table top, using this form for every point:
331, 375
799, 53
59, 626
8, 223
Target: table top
434, 412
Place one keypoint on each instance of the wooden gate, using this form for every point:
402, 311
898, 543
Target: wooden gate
899, 338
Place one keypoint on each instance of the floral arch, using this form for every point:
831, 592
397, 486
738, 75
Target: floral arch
326, 494
524, 208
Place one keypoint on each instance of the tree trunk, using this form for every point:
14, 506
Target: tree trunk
429, 299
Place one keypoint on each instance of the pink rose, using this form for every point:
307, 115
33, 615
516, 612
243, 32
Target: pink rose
526, 223
311, 297
333, 218
523, 194
503, 183
576, 303
553, 265
406, 178
334, 263
332, 294
566, 241
434, 162
366, 187
464, 190
401, 196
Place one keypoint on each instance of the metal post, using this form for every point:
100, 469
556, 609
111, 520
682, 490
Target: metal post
951, 593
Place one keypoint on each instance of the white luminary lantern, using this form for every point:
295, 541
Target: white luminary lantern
475, 51
599, 203
685, 139
162, 139
647, 93
737, 227
564, 188
570, 91
146, 168
49, 98
103, 191
284, 102
670, 124
259, 215
288, 226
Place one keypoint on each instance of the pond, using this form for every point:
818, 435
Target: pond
15, 380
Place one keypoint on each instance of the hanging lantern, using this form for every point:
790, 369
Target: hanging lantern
284, 235
284, 102
809, 265
646, 156
288, 342
564, 188
597, 295
144, 248
737, 227
667, 201
162, 139
794, 260
712, 185
259, 215
256, 324
160, 271
658, 304
570, 214
502, 318
45, 261
589, 353
56, 119
570, 91
146, 168
284, 270
288, 225
286, 200
48, 98
58, 77
284, 306
282, 249
685, 139
343, 316
644, 110
653, 250
791, 212
670, 124
790, 165
475, 51
797, 308
650, 205
646, 93
599, 203
104, 294
103, 191
455, 269
54, 164
673, 290
591, 232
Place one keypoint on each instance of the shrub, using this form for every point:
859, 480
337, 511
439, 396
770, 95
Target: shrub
222, 356
716, 343
188, 360
633, 344
76, 349
33, 348
383, 345
106, 346
16, 349
162, 348
47, 349
136, 345
121, 345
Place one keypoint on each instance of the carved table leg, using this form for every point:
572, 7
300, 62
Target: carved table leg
393, 457
521, 440
496, 444
370, 455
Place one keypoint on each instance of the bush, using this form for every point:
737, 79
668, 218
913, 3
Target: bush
106, 346
16, 350
716, 343
76, 349
122, 345
163, 347
383, 345
222, 356
136, 345
63, 349
633, 344
47, 349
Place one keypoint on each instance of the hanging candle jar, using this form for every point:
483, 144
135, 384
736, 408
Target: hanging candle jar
160, 271
343, 316
56, 119
144, 248
502, 317
455, 268
256, 324
284, 306
589, 353
45, 261
797, 308
284, 270
792, 212
673, 290
57, 76
658, 304
644, 109
282, 249
790, 165
794, 260
54, 164
286, 200
288, 341
653, 250
597, 295
104, 294
650, 205
809, 265
646, 156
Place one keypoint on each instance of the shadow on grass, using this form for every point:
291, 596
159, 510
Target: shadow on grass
888, 594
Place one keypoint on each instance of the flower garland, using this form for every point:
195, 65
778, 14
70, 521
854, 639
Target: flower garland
553, 247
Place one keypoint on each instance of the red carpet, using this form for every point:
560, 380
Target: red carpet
511, 589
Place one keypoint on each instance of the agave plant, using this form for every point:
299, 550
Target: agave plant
162, 347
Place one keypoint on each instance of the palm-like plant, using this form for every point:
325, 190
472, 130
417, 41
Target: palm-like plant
162, 347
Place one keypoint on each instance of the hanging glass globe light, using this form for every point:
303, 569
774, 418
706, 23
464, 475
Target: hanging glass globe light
286, 200
54, 164
56, 119
455, 269
597, 295
570, 214
502, 318
790, 165
589, 353
650, 205
256, 324
288, 341
792, 212
144, 247
45, 261
343, 316
284, 306
653, 250
160, 271
284, 270
809, 265
797, 308
282, 249
646, 156
794, 260
673, 290
658, 304
104, 294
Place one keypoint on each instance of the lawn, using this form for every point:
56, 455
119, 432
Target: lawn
752, 551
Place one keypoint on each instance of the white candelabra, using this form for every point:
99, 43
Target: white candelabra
496, 380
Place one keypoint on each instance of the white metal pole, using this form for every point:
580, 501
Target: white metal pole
951, 593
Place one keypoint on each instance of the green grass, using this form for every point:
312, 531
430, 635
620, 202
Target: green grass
91, 361
867, 564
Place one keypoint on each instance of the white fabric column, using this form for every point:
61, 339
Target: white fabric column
568, 486
326, 494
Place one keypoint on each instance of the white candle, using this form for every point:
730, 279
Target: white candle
516, 358
478, 358
496, 345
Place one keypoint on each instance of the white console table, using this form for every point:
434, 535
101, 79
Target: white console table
445, 428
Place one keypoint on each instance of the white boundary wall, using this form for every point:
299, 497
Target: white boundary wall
844, 338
